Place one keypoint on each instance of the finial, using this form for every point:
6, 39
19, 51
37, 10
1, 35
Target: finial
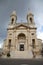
29, 12
13, 13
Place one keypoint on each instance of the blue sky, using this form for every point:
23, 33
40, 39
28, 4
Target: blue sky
22, 7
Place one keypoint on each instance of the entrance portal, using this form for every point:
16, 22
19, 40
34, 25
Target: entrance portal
21, 47
21, 41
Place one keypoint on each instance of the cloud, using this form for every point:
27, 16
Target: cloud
39, 24
40, 35
1, 44
39, 21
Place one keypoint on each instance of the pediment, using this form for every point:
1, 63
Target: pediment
21, 26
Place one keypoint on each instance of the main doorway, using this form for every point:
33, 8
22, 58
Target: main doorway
21, 47
21, 42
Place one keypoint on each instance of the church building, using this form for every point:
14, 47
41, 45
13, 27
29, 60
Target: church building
21, 40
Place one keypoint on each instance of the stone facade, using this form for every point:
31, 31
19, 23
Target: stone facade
21, 40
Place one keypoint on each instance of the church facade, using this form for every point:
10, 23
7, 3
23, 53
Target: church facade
21, 40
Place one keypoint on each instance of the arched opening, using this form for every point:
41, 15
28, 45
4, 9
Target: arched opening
31, 20
33, 43
21, 36
12, 20
21, 41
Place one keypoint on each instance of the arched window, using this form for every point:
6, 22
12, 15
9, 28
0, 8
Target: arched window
31, 20
9, 44
12, 20
21, 36
33, 43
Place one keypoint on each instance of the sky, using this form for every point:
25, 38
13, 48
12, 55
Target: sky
22, 7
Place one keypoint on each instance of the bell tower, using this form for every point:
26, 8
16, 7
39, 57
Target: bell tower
13, 17
30, 18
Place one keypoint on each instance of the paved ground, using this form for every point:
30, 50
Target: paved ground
21, 62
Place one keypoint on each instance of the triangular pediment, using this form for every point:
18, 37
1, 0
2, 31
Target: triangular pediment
22, 26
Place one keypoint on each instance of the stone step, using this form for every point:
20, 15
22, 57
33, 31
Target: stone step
21, 54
